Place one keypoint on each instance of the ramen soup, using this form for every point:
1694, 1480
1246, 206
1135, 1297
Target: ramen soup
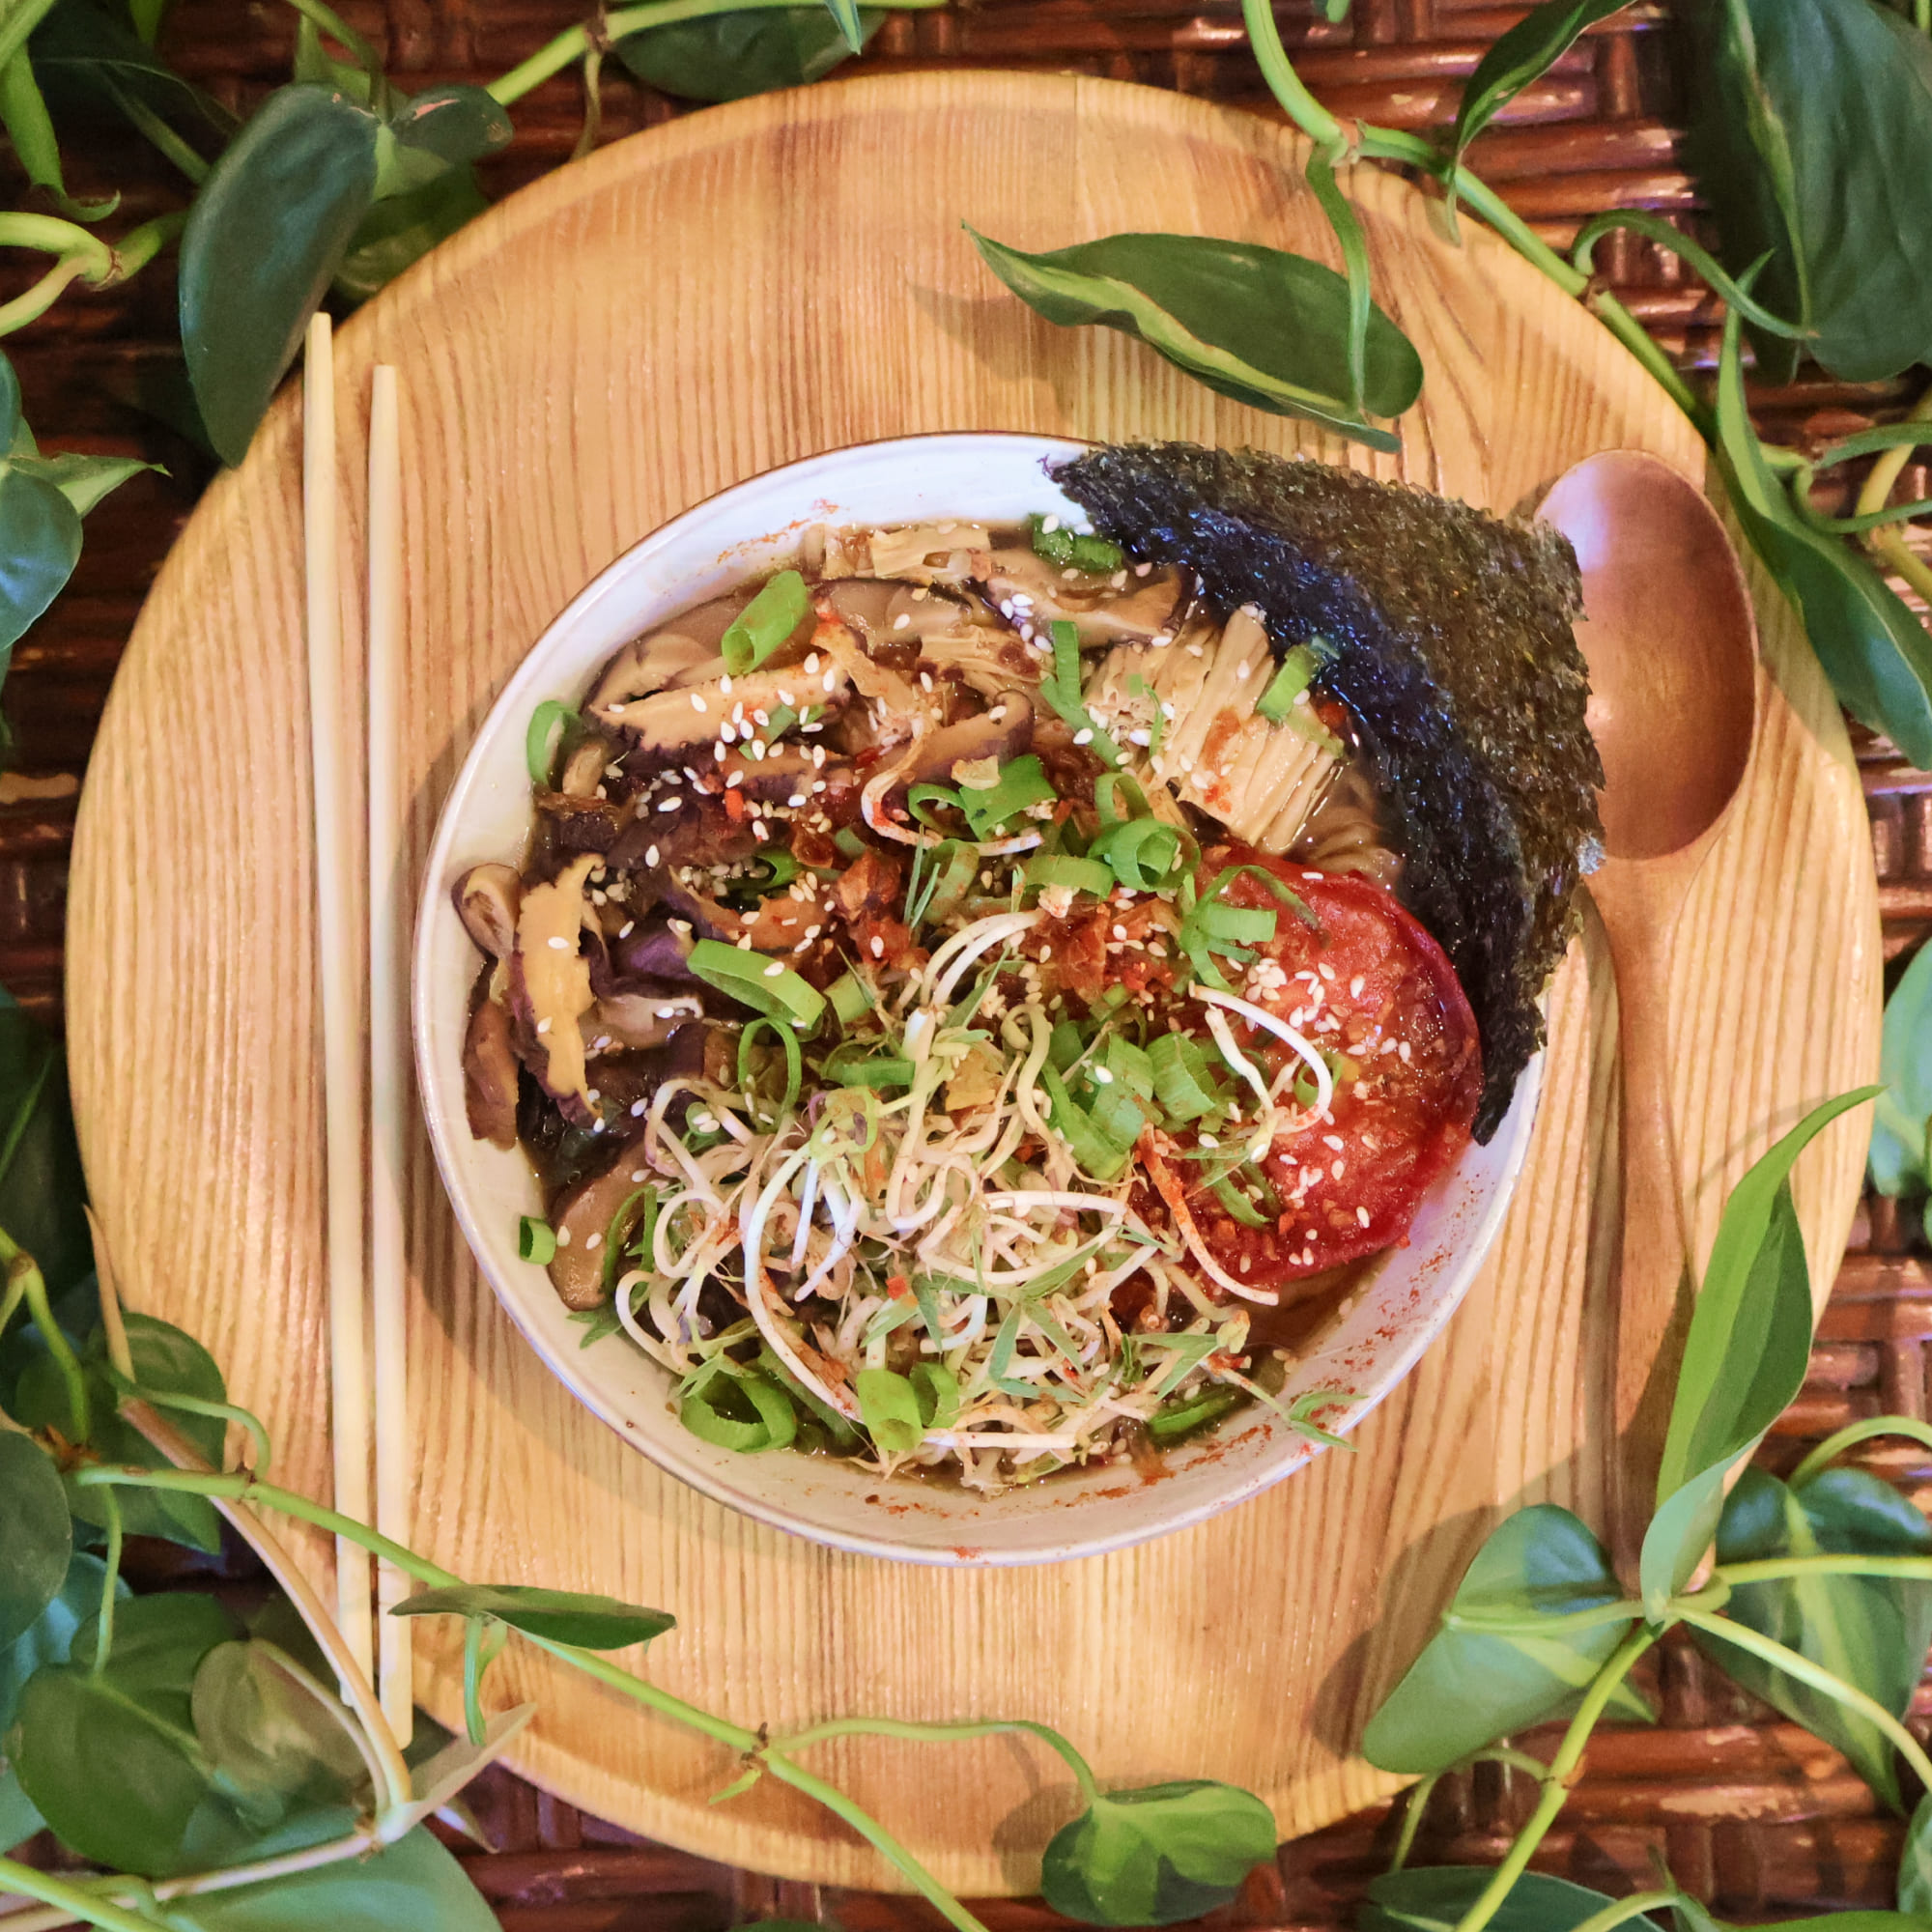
960, 1002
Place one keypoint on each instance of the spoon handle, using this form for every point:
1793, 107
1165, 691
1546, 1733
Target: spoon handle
1654, 1295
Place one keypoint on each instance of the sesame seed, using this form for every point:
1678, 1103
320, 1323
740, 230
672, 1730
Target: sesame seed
543, 1026
1362, 1215
650, 858
595, 1240
669, 803
1048, 525
559, 944
830, 680
724, 684
625, 930
750, 918
900, 622
1356, 986
697, 702
772, 971
1336, 1169
1083, 736
564, 1238
1120, 933
745, 941
1401, 1052
878, 946
1103, 1076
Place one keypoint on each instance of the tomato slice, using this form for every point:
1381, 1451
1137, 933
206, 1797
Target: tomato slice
1368, 982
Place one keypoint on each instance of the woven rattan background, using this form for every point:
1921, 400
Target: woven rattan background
1751, 1812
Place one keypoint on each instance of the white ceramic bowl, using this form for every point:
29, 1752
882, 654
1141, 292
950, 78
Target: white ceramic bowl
990, 478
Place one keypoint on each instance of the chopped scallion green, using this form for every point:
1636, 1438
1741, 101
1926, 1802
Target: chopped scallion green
536, 1241
766, 986
544, 720
1082, 875
764, 623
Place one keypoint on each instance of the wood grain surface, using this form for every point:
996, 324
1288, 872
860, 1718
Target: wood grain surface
612, 343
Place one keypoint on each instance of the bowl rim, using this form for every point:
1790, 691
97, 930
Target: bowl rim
1417, 1333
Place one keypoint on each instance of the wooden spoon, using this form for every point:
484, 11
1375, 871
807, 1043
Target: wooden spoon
1671, 644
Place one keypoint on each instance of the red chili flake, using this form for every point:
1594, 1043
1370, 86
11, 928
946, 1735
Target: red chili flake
734, 805
898, 1287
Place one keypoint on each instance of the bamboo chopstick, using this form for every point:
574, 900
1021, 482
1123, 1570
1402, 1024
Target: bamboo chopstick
339, 960
389, 1037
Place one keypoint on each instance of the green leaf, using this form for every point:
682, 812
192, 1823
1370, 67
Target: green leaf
110, 1759
17, 20
1812, 140
51, 1636
36, 1535
727, 56
41, 1189
269, 1734
1915, 1866
398, 233
562, 1616
1737, 1355
1156, 1854
1267, 329
415, 1885
1739, 1375
39, 544
456, 124
1432, 1897
1527, 52
29, 128
1901, 1120
167, 1362
88, 60
1472, 1685
1872, 1632
1876, 653
18, 1820
268, 231
83, 480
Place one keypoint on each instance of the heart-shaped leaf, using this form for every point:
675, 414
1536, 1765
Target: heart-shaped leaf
1156, 1854
561, 1616
1497, 1666
1876, 653
413, 1885
165, 1360
83, 480
454, 124
50, 1638
1527, 52
36, 1535
1432, 1897
39, 544
727, 56
269, 1732
1901, 1120
109, 1760
1872, 1632
1812, 139
1743, 1359
265, 236
1267, 329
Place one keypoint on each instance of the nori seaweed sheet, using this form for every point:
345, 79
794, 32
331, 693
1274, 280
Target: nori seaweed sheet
1446, 634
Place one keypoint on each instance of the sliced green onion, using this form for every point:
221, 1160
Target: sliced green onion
890, 1406
1238, 925
1181, 1415
1066, 549
815, 1404
1237, 1203
765, 622
617, 1236
1083, 875
1022, 782
1000, 1363
739, 1410
777, 722
1115, 1115
955, 864
1185, 1081
1139, 687
536, 1241
1062, 691
749, 978
849, 843
919, 796
875, 1070
545, 720
937, 1389
1112, 787
851, 999
1282, 890
787, 1039
1101, 1155
1125, 1062
1295, 675
1064, 1045
1141, 853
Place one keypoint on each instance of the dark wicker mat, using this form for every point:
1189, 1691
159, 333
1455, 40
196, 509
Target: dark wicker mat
1749, 1811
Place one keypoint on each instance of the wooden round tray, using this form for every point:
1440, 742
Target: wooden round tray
696, 304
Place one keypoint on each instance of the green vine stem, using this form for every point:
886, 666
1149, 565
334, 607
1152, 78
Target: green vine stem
1556, 1780
107, 1898
1794, 1664
1890, 545
919, 1733
110, 1583
1853, 1433
570, 47
73, 1901
25, 1283
1625, 1910
241, 1487
1773, 1569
